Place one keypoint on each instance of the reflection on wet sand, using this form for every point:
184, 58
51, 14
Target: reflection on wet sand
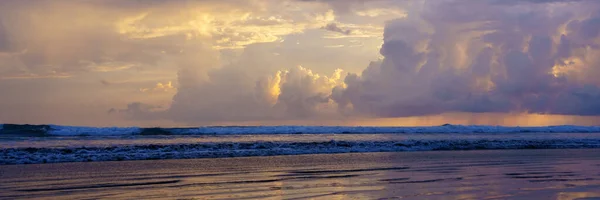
497, 174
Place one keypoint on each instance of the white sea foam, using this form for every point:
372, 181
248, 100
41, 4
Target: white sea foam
236, 149
96, 131
106, 143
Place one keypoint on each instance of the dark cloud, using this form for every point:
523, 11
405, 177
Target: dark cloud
506, 76
105, 82
472, 56
335, 28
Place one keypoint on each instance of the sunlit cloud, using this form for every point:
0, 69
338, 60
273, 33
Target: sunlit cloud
108, 66
35, 76
446, 60
231, 28
259, 61
160, 87
377, 12
335, 46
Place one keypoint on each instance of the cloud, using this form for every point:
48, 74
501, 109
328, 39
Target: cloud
302, 92
247, 90
356, 31
486, 58
335, 28
61, 43
138, 110
243, 60
233, 95
335, 46
116, 35
108, 66
376, 12
99, 53
513, 2
37, 76
160, 87
4, 40
105, 82
342, 6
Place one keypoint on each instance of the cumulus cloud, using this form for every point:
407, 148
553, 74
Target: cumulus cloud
487, 58
250, 60
241, 91
441, 58
303, 93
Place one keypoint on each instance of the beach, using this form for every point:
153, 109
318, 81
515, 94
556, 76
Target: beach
300, 99
476, 174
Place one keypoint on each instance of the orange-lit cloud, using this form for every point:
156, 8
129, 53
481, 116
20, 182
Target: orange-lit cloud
160, 87
363, 62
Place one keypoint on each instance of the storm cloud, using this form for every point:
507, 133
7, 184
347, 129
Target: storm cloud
444, 57
208, 62
480, 56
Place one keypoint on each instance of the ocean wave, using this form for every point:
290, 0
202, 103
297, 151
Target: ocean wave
230, 149
56, 130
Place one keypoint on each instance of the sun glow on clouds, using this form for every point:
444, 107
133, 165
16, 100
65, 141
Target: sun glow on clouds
230, 28
160, 87
566, 66
376, 12
36, 76
244, 61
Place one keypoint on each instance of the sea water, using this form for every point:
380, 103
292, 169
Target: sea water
28, 144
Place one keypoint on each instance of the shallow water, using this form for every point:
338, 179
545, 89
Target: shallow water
478, 174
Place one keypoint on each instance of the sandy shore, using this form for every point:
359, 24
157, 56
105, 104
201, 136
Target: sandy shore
491, 174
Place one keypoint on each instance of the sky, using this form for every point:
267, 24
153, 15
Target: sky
300, 62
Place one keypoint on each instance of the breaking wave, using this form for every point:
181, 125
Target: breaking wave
231, 149
56, 130
27, 144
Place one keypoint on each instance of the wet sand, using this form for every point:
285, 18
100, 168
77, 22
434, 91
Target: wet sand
486, 174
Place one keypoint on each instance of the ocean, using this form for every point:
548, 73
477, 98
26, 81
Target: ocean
299, 162
34, 144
